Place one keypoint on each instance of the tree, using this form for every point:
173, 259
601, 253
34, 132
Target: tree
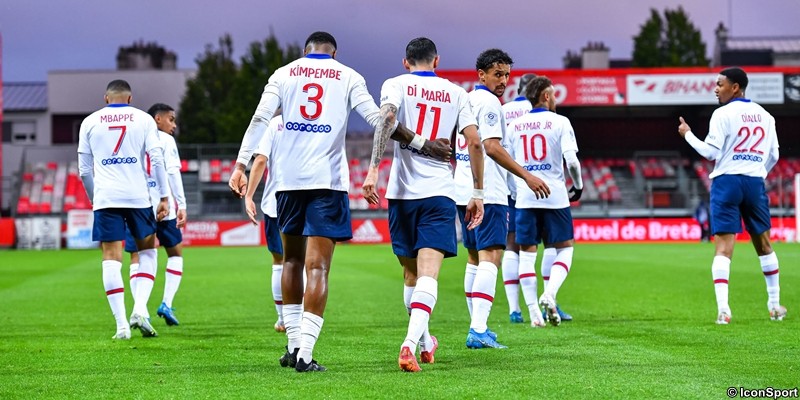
671, 41
220, 100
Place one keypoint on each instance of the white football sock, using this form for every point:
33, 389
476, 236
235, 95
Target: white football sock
115, 291
548, 257
422, 303
483, 291
292, 319
145, 278
769, 265
558, 273
309, 333
134, 269
277, 294
511, 279
469, 278
527, 281
721, 271
173, 279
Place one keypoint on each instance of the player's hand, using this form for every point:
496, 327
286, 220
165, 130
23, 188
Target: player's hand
238, 181
163, 209
539, 188
683, 127
250, 209
369, 188
474, 213
181, 222
574, 194
439, 149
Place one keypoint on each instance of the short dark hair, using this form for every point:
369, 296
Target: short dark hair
420, 49
159, 108
320, 37
523, 82
535, 88
736, 75
491, 57
118, 85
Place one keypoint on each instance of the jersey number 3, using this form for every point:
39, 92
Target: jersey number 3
314, 91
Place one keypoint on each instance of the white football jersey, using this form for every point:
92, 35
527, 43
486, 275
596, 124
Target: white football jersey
316, 94
432, 107
513, 110
172, 164
744, 133
269, 204
117, 136
491, 125
539, 140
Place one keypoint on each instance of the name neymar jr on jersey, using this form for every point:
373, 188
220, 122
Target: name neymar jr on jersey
533, 125
116, 118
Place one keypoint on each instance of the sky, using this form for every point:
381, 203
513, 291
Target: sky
44, 35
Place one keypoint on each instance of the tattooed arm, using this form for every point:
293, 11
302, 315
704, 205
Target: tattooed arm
384, 129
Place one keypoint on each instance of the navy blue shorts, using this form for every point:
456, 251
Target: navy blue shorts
550, 225
512, 215
273, 235
110, 223
318, 212
735, 198
491, 232
423, 223
167, 233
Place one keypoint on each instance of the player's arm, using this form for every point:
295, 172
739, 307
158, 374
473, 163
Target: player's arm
269, 103
705, 149
173, 166
384, 128
496, 151
366, 108
574, 171
774, 153
256, 173
86, 172
155, 150
475, 149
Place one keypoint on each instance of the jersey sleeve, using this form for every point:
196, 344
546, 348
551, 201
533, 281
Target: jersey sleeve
491, 122
83, 139
465, 115
568, 141
151, 137
172, 159
392, 93
265, 145
716, 130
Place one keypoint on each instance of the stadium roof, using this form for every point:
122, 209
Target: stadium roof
24, 96
785, 44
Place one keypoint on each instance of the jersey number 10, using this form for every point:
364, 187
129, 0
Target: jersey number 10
530, 148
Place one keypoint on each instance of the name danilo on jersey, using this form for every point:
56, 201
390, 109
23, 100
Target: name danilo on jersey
442, 96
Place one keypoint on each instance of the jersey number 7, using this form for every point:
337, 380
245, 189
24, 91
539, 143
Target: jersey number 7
123, 129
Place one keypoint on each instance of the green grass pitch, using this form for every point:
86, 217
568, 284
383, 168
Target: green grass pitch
644, 328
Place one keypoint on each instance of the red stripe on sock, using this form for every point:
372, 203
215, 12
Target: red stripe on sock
559, 263
143, 275
468, 294
174, 272
546, 278
421, 306
511, 282
768, 273
529, 275
279, 302
114, 291
716, 281
482, 296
